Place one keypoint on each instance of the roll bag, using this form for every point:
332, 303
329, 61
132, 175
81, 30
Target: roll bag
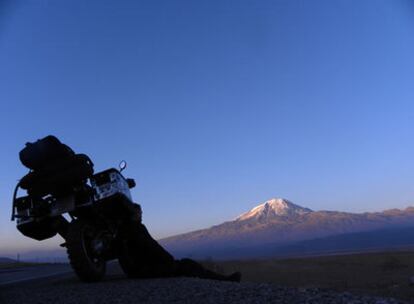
38, 154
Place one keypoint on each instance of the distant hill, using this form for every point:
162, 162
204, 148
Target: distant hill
392, 238
377, 240
42, 256
6, 260
279, 226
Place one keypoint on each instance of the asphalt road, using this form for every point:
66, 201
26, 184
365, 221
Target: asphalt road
20, 274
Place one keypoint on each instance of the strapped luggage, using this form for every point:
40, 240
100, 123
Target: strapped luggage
55, 168
38, 154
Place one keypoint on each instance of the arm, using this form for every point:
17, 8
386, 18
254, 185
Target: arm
137, 213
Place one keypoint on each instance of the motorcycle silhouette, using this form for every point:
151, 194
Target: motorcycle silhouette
88, 210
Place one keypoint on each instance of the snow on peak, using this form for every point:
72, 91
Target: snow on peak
274, 207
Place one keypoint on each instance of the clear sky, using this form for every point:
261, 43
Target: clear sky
216, 105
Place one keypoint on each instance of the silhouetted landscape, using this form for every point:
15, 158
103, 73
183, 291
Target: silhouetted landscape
199, 152
281, 228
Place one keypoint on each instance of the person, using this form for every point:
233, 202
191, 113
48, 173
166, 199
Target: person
142, 256
158, 262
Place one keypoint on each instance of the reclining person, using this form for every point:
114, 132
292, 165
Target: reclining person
56, 170
155, 261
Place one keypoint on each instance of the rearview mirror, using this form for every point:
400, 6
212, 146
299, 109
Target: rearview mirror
122, 166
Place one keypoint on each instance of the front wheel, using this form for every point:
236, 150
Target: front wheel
83, 247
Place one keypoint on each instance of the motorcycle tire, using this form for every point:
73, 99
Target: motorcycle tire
88, 266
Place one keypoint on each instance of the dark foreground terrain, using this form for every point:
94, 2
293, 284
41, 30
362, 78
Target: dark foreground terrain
385, 274
65, 288
13, 273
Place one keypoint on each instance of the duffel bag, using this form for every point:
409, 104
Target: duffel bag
38, 154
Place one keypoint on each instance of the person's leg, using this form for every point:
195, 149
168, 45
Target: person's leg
190, 268
158, 262
151, 246
155, 260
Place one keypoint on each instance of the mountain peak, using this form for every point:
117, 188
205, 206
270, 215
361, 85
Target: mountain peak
273, 208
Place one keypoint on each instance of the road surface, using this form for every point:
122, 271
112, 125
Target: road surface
20, 274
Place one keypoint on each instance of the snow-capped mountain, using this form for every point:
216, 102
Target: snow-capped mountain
273, 208
280, 222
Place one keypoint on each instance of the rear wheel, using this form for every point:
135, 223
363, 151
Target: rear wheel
84, 249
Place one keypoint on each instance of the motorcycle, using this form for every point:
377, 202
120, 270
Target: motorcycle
88, 210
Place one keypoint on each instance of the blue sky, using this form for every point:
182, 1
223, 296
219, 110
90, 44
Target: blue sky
216, 105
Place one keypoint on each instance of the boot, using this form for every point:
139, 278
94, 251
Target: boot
190, 268
234, 277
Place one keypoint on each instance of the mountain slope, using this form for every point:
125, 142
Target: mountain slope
280, 222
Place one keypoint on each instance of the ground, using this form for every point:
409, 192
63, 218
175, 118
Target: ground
380, 278
384, 273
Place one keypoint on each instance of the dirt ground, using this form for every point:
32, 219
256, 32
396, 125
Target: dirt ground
384, 273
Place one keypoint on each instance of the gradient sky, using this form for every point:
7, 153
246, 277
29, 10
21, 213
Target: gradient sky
216, 105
